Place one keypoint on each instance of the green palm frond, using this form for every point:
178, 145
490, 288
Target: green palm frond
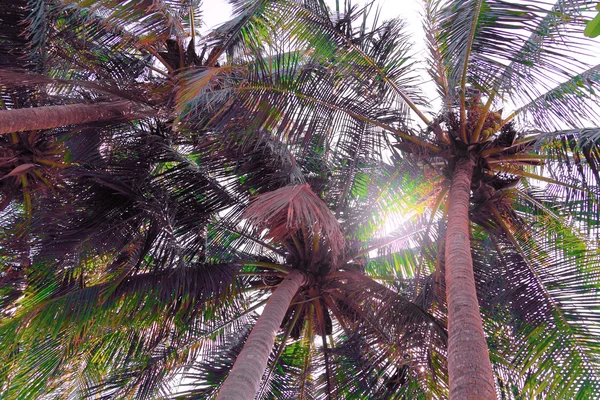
298, 77
146, 22
568, 105
69, 41
115, 326
541, 51
506, 46
541, 276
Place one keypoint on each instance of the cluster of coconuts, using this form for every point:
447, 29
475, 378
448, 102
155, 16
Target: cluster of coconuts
492, 124
30, 160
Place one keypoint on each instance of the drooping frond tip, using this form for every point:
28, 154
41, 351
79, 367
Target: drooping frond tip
296, 209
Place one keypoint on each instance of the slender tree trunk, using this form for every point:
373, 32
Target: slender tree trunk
48, 117
244, 379
469, 367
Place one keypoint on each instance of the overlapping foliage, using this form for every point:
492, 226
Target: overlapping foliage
128, 268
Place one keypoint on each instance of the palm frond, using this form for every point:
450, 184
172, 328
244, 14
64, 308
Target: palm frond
122, 322
507, 46
551, 272
291, 209
568, 105
147, 22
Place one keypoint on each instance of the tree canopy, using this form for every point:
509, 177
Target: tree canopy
164, 193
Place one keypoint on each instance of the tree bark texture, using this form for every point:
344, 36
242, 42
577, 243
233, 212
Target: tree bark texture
48, 117
469, 367
244, 379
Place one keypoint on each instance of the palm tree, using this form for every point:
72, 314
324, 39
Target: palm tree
148, 293
318, 285
475, 156
101, 67
29, 119
324, 102
488, 155
317, 289
145, 255
47, 48
92, 205
116, 256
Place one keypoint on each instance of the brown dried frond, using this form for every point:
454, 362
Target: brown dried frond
290, 209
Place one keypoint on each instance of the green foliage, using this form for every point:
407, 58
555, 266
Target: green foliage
592, 29
133, 266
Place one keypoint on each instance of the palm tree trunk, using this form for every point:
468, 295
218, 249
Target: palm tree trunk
469, 367
48, 117
244, 379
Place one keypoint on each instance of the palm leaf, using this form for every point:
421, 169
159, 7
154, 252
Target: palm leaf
295, 208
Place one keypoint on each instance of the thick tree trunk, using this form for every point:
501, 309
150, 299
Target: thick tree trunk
469, 367
244, 379
48, 117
